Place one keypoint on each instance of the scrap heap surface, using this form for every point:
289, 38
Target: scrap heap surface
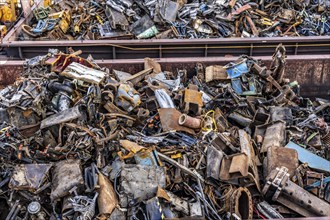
180, 19
78, 141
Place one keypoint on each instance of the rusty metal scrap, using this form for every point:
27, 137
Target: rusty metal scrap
78, 141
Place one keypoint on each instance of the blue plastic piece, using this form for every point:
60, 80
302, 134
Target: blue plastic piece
313, 160
235, 70
237, 85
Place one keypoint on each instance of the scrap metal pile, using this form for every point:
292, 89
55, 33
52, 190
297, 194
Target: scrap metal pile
78, 141
182, 19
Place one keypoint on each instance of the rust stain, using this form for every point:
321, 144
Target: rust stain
9, 73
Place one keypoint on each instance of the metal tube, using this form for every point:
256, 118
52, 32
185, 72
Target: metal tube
190, 122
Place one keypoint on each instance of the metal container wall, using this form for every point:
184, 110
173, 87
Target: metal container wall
166, 48
312, 72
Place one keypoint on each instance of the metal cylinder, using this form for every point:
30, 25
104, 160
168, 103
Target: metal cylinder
239, 119
64, 87
190, 122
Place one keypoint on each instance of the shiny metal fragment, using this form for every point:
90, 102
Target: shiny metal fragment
163, 99
83, 73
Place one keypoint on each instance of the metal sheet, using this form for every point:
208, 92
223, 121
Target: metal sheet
67, 174
281, 156
141, 182
29, 176
214, 158
313, 160
61, 117
274, 136
235, 166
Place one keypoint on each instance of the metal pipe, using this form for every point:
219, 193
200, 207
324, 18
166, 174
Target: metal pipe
190, 122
